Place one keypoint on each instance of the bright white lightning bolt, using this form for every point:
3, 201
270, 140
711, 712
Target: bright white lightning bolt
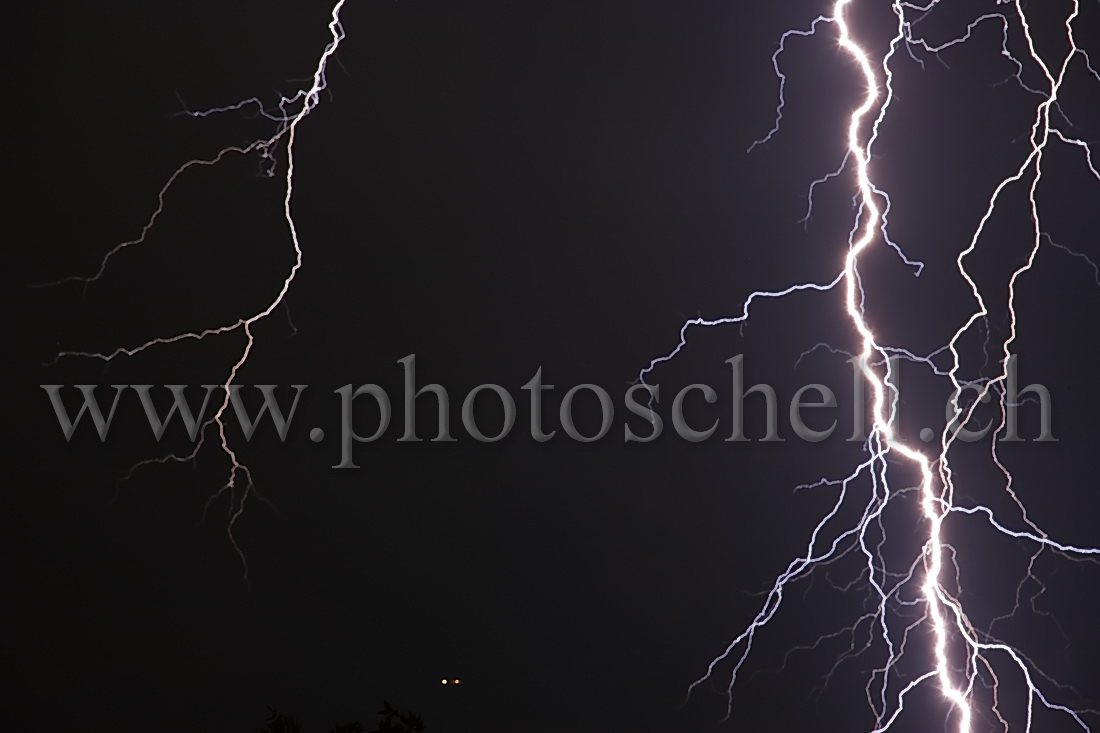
953, 636
291, 112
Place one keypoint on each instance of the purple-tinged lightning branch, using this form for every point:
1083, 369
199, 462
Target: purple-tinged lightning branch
287, 114
961, 657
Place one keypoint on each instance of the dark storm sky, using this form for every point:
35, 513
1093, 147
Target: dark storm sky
499, 187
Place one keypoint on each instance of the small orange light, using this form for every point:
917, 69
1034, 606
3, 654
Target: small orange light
458, 682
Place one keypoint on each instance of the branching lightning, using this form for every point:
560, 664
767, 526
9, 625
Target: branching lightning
962, 655
288, 114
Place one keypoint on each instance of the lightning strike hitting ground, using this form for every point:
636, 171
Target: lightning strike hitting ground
291, 112
962, 655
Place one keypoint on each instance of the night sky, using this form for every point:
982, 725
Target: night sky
498, 188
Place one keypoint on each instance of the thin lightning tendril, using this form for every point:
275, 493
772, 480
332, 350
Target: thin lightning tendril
953, 637
291, 112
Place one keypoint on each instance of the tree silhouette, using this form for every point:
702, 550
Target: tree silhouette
395, 721
279, 723
392, 721
355, 727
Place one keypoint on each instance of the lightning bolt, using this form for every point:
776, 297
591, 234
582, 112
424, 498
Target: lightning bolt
288, 114
960, 652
